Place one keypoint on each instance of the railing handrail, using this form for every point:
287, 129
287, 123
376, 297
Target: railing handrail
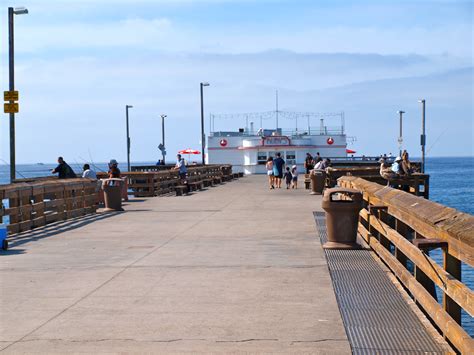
430, 219
396, 212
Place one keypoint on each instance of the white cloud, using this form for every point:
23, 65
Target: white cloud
164, 35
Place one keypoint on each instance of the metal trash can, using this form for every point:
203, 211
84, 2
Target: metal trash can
318, 181
112, 194
342, 217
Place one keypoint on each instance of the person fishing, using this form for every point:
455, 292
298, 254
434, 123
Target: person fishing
88, 172
114, 171
63, 170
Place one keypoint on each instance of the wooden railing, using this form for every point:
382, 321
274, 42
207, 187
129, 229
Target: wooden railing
401, 229
417, 184
35, 204
156, 183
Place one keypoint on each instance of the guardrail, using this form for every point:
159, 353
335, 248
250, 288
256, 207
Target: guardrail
35, 204
156, 183
416, 183
401, 228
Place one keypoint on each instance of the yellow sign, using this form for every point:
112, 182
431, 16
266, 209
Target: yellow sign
11, 108
10, 95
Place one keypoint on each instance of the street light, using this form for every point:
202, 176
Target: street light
11, 63
163, 148
423, 135
203, 137
128, 136
400, 137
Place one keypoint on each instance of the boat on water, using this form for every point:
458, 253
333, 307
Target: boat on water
248, 149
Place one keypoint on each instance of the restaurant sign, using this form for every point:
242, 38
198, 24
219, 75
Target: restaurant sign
276, 140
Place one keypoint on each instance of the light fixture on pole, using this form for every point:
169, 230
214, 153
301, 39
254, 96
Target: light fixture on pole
11, 87
203, 137
128, 136
423, 135
163, 147
400, 137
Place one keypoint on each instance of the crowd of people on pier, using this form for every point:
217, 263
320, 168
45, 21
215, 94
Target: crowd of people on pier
277, 170
65, 171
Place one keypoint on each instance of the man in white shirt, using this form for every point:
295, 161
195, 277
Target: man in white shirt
88, 172
181, 166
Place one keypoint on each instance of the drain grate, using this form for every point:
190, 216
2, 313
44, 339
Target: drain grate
376, 317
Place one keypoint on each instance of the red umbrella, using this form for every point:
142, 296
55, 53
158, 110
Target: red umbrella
189, 151
350, 151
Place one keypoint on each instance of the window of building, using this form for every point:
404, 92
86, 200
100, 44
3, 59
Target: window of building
261, 157
290, 157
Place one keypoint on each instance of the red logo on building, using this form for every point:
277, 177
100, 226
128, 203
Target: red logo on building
223, 142
330, 141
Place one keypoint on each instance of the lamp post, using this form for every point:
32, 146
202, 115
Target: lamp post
400, 137
423, 135
203, 137
11, 64
128, 136
163, 152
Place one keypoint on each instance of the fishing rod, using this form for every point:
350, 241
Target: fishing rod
23, 176
437, 139
95, 166
92, 160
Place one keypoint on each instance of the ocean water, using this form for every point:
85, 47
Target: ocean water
451, 184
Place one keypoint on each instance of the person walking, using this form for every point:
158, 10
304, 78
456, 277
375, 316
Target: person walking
294, 174
269, 167
63, 170
278, 165
288, 177
88, 172
308, 163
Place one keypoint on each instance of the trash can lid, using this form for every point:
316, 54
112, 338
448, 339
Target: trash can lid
354, 194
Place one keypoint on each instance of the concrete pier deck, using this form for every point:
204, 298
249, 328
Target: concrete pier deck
236, 268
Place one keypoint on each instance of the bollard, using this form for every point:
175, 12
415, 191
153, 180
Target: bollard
3, 236
112, 194
318, 180
342, 217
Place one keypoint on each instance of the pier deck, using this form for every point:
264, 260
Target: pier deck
234, 268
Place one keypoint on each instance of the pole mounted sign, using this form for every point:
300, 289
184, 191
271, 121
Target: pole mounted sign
11, 106
10, 96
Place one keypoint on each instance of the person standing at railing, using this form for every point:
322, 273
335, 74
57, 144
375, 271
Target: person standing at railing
317, 158
181, 167
63, 170
114, 171
88, 172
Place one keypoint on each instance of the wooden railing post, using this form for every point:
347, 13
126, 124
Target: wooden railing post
453, 266
401, 228
424, 280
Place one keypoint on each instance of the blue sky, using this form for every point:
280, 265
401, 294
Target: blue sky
79, 62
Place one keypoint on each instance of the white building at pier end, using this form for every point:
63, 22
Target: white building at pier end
247, 149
